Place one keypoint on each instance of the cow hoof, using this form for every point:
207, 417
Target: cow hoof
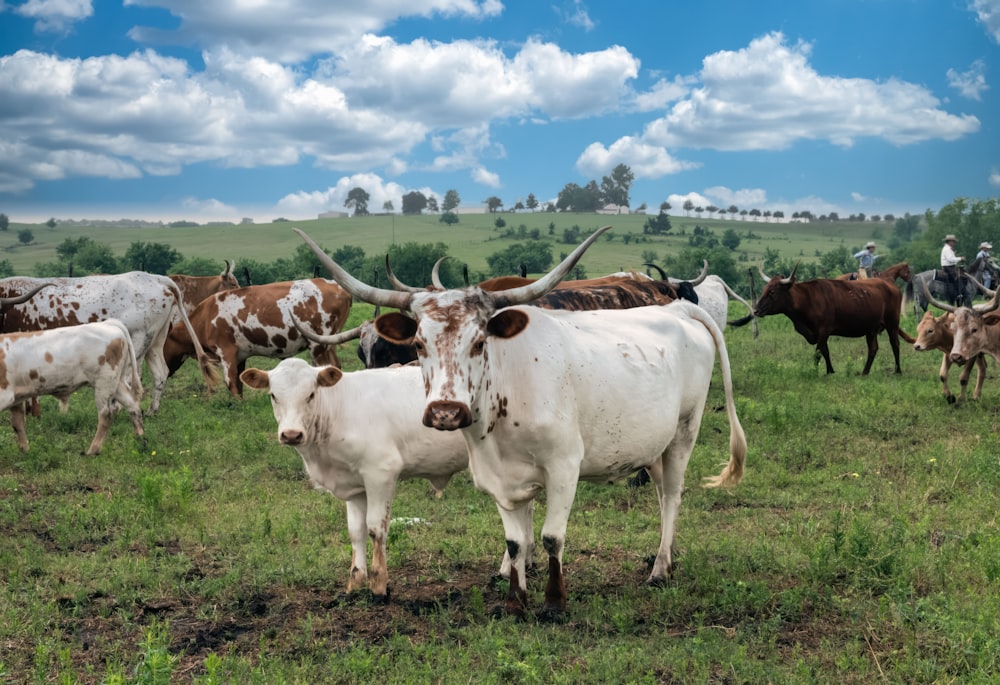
380, 600
951, 399
552, 614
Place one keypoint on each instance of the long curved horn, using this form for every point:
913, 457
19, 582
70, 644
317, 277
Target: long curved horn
791, 276
396, 283
246, 275
359, 289
990, 306
465, 274
228, 271
762, 274
663, 274
335, 339
18, 299
532, 291
698, 280
930, 298
435, 278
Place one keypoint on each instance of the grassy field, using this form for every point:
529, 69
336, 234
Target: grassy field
471, 240
862, 546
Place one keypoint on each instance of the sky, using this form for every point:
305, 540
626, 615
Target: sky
228, 109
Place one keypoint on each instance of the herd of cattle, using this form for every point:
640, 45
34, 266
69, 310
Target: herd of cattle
530, 384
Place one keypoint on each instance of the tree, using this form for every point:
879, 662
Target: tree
451, 201
733, 210
156, 258
4, 222
432, 204
414, 202
357, 198
493, 203
658, 225
198, 266
730, 239
688, 206
25, 236
573, 198
906, 228
665, 206
449, 218
6, 268
615, 188
536, 255
96, 258
531, 203
387, 206
51, 223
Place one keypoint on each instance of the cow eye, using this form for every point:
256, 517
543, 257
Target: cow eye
418, 346
479, 345
311, 396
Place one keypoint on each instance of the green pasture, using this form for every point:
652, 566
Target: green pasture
471, 240
861, 547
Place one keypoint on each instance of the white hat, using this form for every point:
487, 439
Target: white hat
950, 236
870, 243
985, 246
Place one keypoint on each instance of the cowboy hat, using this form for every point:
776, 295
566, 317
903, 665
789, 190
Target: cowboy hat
985, 246
870, 243
951, 237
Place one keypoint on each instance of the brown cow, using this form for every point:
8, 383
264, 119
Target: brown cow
976, 329
827, 307
258, 320
194, 289
934, 333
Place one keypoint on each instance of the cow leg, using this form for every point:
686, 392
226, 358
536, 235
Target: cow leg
125, 396
357, 530
824, 350
980, 375
378, 518
517, 528
158, 368
17, 423
36, 407
894, 344
668, 477
872, 349
529, 554
560, 493
231, 371
943, 376
104, 417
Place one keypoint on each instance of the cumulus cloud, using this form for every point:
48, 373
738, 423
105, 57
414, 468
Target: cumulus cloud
994, 179
485, 177
744, 198
970, 83
332, 199
988, 13
645, 161
54, 15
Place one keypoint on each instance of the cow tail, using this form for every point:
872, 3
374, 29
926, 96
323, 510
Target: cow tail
136, 380
733, 472
209, 370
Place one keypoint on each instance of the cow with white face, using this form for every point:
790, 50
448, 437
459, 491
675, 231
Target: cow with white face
546, 398
358, 434
976, 329
61, 360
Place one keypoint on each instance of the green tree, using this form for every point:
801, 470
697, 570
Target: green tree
449, 218
51, 223
615, 188
493, 203
357, 199
6, 268
4, 222
412, 263
907, 227
155, 258
536, 255
25, 236
198, 266
731, 239
531, 203
657, 225
451, 201
432, 204
573, 198
414, 202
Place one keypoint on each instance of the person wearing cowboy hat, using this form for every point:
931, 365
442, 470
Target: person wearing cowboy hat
866, 260
984, 264
949, 265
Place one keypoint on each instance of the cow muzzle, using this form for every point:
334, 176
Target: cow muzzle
446, 415
957, 359
291, 437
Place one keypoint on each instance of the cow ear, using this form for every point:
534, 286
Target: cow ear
396, 328
507, 323
991, 319
256, 379
329, 376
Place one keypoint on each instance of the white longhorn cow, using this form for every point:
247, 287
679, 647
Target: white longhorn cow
358, 434
547, 398
61, 360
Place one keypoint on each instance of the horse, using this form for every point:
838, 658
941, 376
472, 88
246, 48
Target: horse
968, 287
901, 270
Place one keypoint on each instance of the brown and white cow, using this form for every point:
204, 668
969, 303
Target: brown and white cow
546, 398
58, 361
976, 329
259, 320
144, 302
194, 289
934, 333
358, 434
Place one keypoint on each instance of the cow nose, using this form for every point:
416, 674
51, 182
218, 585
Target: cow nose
957, 358
446, 415
291, 437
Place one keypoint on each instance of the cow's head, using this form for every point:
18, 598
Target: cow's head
974, 328
293, 384
933, 332
777, 294
227, 280
451, 330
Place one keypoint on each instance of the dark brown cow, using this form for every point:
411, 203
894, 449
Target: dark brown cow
934, 333
258, 320
194, 289
827, 307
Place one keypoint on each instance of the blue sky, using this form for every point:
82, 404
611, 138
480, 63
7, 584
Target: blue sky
189, 109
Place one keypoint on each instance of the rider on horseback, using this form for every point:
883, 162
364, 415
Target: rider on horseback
949, 265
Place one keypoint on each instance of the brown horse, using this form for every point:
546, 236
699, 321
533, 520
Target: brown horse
901, 270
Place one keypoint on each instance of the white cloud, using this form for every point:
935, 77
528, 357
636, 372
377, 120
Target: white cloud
662, 94
485, 177
988, 12
972, 82
645, 161
54, 15
767, 96
310, 204
994, 179
576, 14
677, 201
744, 198
858, 197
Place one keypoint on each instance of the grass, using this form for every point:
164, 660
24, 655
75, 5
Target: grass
471, 240
862, 546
